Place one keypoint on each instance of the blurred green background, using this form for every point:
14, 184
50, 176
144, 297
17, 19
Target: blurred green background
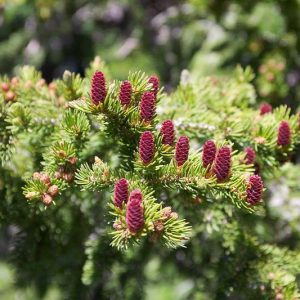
162, 37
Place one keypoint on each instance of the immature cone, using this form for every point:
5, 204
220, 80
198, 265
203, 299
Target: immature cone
167, 132
209, 153
155, 83
147, 106
121, 192
125, 93
98, 88
134, 214
5, 87
146, 147
182, 150
284, 134
254, 189
222, 163
265, 108
249, 155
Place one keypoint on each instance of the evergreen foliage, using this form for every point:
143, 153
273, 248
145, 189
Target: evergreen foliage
118, 174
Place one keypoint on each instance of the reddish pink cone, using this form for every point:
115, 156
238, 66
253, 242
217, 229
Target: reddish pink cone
254, 189
121, 192
125, 93
265, 108
146, 147
209, 153
182, 150
249, 155
284, 134
167, 132
155, 84
147, 106
134, 214
98, 88
222, 163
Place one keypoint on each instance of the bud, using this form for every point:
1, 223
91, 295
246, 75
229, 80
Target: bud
167, 132
182, 150
284, 134
36, 176
249, 156
73, 160
147, 106
222, 163
14, 81
47, 199
10, 96
209, 153
125, 93
68, 177
98, 88
167, 212
53, 190
254, 189
40, 83
146, 147
265, 108
117, 225
45, 179
134, 214
121, 192
31, 195
5, 87
67, 76
155, 84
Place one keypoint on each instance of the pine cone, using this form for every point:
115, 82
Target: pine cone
265, 108
254, 189
182, 150
121, 192
284, 134
146, 147
167, 132
125, 93
155, 84
222, 163
147, 106
134, 214
249, 156
209, 153
98, 88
